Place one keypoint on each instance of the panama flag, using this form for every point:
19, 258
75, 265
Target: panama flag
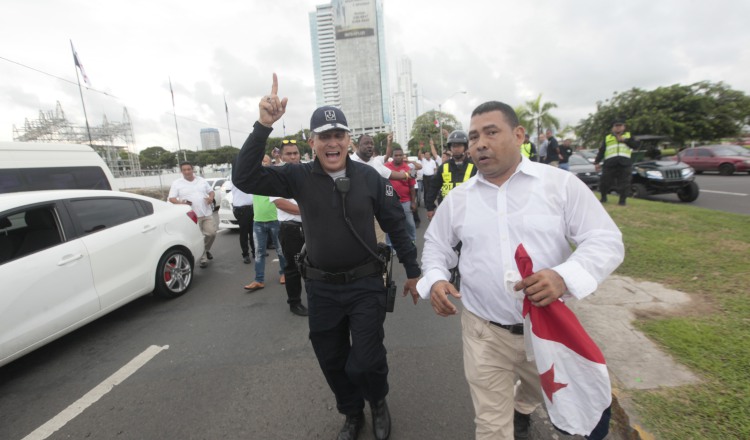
572, 370
78, 64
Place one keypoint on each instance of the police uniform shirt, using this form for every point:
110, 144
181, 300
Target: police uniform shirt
331, 246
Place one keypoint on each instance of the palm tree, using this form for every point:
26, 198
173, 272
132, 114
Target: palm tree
537, 114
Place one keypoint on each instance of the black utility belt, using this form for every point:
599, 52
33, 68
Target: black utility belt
516, 329
366, 270
296, 224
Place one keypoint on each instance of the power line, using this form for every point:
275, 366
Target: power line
108, 94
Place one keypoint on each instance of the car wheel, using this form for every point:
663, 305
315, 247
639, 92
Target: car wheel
726, 169
174, 274
639, 191
688, 193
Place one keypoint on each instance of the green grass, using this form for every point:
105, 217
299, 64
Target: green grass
707, 254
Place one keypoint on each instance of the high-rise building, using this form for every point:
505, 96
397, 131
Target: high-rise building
210, 139
351, 71
404, 103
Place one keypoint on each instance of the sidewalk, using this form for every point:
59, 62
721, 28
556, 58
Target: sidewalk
634, 361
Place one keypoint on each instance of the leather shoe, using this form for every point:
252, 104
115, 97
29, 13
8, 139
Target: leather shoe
252, 287
209, 255
381, 420
352, 426
521, 423
246, 259
298, 309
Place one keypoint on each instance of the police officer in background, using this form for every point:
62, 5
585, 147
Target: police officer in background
346, 296
528, 149
451, 173
618, 166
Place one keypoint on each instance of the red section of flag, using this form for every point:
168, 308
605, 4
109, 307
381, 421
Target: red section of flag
557, 322
437, 123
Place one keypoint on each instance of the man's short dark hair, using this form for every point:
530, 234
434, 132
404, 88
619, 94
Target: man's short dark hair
182, 164
359, 140
497, 106
397, 148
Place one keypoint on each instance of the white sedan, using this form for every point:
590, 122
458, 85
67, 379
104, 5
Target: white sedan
68, 257
227, 220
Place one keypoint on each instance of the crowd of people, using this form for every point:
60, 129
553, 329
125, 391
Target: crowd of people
484, 198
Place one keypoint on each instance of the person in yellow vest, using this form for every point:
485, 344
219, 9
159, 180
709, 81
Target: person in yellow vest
452, 173
528, 149
617, 166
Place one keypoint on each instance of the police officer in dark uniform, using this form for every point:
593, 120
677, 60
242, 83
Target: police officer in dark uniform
618, 166
337, 199
451, 173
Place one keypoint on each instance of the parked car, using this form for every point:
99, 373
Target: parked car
654, 175
584, 170
227, 220
216, 186
589, 155
68, 257
726, 159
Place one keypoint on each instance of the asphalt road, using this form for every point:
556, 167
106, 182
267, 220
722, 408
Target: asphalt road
720, 193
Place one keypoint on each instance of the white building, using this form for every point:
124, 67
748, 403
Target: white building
210, 139
354, 75
404, 103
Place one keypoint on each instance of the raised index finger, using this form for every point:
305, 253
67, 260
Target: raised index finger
275, 85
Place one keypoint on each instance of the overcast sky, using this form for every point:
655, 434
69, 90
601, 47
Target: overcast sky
573, 52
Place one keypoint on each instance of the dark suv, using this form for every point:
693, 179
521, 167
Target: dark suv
652, 175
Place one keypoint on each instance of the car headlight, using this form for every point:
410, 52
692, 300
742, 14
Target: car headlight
687, 172
225, 204
650, 174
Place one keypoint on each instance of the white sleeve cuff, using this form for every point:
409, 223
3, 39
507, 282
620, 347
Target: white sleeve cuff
579, 282
425, 283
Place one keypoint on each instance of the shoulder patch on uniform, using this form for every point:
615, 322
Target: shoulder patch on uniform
388, 190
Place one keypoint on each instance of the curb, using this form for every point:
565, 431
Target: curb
621, 425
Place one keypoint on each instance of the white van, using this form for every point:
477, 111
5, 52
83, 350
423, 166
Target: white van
28, 166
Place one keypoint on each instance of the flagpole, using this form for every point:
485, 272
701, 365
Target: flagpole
226, 109
76, 63
174, 113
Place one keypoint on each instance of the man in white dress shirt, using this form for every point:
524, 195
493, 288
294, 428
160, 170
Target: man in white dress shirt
511, 201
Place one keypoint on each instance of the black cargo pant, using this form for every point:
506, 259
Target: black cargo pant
244, 216
616, 177
292, 239
346, 331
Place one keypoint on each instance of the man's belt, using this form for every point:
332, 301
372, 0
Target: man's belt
516, 329
366, 270
294, 223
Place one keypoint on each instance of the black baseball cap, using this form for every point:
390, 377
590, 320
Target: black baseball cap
328, 118
618, 121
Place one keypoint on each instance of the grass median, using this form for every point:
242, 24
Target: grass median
706, 254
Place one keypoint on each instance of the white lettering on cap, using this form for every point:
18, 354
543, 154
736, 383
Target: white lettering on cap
330, 115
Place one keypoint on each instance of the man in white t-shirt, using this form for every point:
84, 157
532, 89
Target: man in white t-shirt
195, 191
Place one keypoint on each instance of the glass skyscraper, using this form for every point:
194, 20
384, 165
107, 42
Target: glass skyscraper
349, 61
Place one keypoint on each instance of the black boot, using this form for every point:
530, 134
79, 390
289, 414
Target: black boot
381, 420
521, 423
352, 426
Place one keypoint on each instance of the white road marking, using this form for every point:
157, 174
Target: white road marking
95, 394
723, 192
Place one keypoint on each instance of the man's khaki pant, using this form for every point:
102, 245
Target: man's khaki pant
493, 360
208, 228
